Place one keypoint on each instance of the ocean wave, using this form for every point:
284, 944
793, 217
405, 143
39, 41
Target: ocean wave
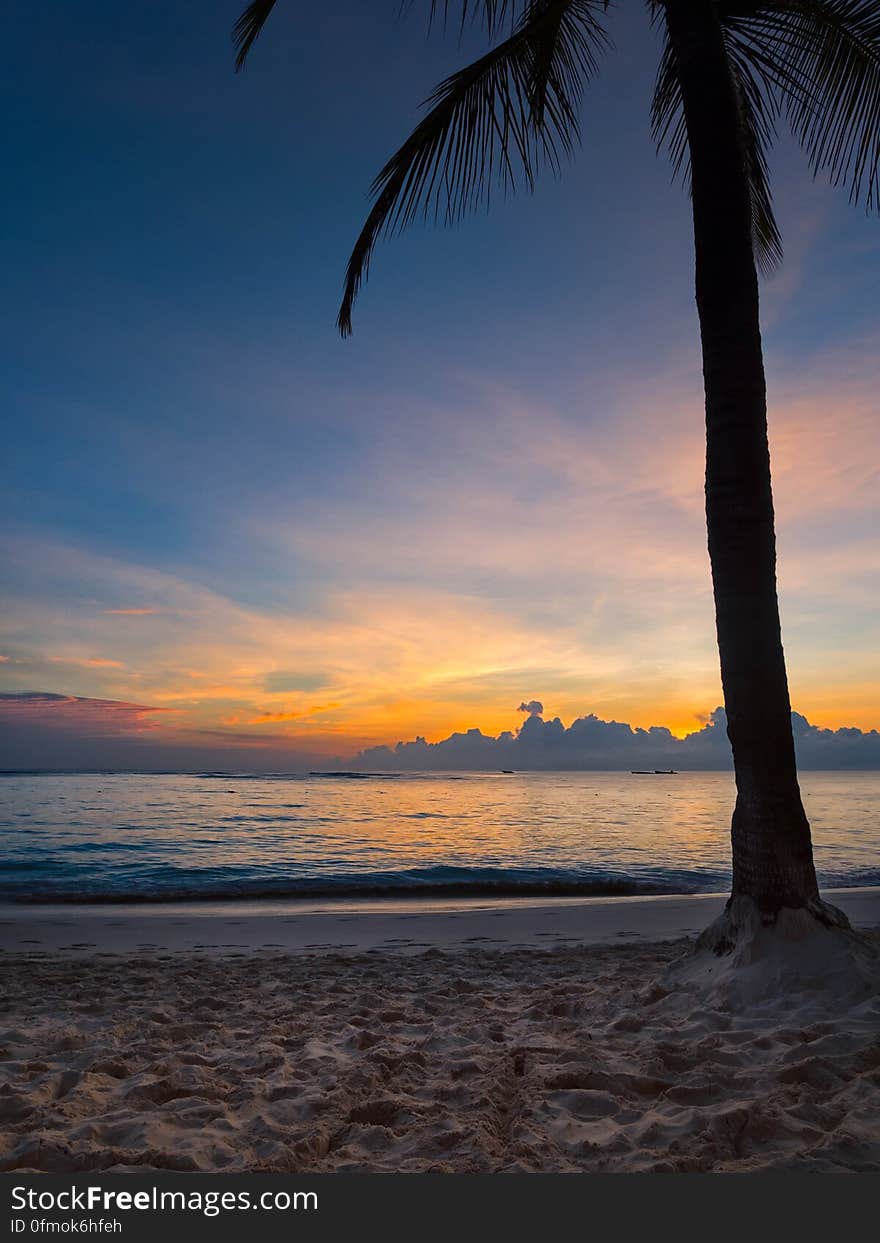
227, 884
164, 885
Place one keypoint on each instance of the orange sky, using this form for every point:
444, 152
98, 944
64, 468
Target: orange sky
615, 618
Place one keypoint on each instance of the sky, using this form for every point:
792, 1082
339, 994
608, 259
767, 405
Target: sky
228, 534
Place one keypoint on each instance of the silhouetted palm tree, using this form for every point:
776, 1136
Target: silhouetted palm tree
729, 71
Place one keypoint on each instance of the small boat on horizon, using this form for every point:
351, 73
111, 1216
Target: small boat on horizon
653, 772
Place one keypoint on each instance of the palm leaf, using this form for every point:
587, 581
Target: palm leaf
758, 111
824, 58
247, 29
494, 122
492, 13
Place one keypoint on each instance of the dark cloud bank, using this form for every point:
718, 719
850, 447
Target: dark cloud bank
590, 743
46, 731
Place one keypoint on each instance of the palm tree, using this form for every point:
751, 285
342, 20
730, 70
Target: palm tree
729, 71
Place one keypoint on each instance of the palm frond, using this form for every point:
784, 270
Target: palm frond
494, 122
491, 14
247, 29
758, 112
824, 59
667, 114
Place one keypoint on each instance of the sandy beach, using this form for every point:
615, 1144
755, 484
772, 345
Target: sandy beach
362, 1041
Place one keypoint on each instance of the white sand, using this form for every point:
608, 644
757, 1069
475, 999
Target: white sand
338, 1042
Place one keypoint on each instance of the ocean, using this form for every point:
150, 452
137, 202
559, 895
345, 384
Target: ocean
134, 837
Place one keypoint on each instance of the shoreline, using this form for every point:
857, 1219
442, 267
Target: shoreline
357, 926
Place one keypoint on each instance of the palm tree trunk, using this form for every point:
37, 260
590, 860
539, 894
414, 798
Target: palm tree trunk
772, 851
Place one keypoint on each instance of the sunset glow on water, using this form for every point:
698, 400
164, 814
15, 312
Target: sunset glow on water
199, 836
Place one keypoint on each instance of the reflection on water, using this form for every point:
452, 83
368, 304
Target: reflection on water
219, 835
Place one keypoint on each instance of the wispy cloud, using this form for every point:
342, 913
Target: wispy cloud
131, 612
86, 662
500, 545
82, 715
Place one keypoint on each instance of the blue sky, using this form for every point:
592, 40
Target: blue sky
491, 492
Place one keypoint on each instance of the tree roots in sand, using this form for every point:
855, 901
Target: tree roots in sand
748, 956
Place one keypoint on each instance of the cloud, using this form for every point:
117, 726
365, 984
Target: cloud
281, 682
298, 714
591, 743
513, 542
86, 662
46, 730
388, 658
41, 729
48, 712
534, 707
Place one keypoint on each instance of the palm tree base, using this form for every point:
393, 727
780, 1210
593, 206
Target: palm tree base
747, 956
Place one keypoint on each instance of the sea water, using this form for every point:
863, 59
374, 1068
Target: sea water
125, 836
